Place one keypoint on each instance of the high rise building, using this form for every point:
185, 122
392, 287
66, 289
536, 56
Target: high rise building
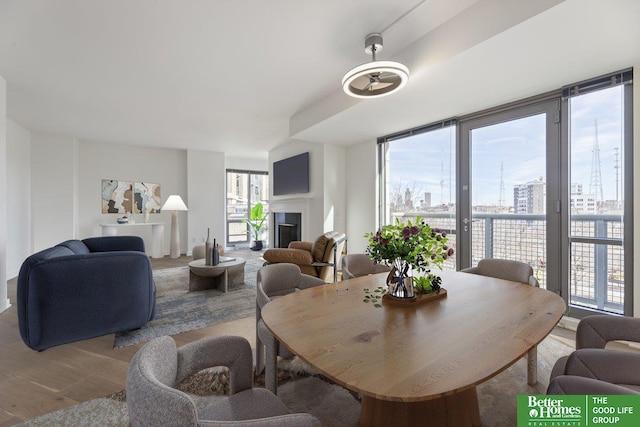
530, 198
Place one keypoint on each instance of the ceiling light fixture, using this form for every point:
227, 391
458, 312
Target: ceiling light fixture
376, 78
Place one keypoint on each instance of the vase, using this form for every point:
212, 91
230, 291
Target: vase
400, 280
215, 254
208, 249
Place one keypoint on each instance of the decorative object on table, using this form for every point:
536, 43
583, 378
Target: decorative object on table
174, 203
215, 254
123, 220
411, 248
146, 215
208, 248
256, 221
374, 296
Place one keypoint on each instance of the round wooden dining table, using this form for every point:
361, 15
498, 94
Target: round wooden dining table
415, 364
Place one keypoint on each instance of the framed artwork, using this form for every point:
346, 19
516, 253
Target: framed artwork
120, 197
116, 196
146, 196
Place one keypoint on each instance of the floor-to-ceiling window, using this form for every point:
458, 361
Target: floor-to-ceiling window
598, 132
244, 190
419, 178
542, 181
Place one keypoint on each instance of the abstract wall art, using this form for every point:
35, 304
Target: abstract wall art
122, 197
147, 196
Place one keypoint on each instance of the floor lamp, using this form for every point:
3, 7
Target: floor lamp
174, 203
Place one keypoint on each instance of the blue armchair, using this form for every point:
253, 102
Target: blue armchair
84, 289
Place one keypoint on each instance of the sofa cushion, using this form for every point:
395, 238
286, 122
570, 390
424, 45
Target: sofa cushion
76, 246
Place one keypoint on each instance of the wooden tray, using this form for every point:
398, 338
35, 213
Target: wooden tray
432, 296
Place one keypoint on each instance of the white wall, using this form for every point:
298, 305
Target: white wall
361, 194
206, 176
4, 302
98, 161
334, 190
18, 196
53, 189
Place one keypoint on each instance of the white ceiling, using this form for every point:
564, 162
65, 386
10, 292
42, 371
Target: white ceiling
244, 76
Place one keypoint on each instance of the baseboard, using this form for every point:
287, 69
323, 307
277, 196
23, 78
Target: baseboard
6, 306
569, 323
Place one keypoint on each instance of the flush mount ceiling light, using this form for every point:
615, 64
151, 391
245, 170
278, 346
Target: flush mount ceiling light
376, 78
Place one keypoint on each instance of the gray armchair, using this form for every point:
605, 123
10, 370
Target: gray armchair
356, 265
514, 271
158, 366
593, 369
273, 281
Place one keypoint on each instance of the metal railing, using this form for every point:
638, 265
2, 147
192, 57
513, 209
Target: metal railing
596, 252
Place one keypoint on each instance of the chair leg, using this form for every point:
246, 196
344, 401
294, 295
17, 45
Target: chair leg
271, 368
532, 366
259, 356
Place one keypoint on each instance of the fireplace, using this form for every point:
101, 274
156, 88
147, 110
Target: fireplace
288, 228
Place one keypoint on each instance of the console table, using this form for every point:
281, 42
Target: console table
157, 234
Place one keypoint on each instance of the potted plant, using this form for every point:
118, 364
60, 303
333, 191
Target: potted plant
256, 221
410, 248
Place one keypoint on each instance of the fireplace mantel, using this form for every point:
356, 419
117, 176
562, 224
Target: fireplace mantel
299, 205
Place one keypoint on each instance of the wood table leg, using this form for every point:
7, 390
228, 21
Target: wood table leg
459, 409
532, 366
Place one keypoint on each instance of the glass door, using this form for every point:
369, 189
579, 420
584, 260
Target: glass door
509, 195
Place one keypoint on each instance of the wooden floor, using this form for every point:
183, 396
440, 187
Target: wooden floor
34, 383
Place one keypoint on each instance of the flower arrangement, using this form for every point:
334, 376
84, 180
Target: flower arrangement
411, 245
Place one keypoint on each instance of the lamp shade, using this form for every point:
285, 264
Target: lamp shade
174, 203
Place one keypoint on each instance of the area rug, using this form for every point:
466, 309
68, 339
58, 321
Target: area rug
178, 310
304, 390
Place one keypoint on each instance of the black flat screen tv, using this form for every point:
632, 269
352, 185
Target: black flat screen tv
291, 175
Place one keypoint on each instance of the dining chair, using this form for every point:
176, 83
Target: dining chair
275, 280
356, 265
514, 271
594, 369
156, 369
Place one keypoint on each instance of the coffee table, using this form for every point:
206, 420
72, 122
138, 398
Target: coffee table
419, 363
202, 276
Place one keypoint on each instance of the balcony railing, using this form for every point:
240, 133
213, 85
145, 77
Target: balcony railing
596, 250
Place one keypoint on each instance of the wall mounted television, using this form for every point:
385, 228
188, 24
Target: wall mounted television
291, 175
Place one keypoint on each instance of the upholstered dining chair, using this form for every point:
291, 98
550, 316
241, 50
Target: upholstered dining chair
273, 281
356, 265
594, 369
158, 366
514, 271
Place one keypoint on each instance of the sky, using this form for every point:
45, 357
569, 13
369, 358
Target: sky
517, 147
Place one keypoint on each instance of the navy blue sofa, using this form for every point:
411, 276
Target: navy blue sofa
83, 289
